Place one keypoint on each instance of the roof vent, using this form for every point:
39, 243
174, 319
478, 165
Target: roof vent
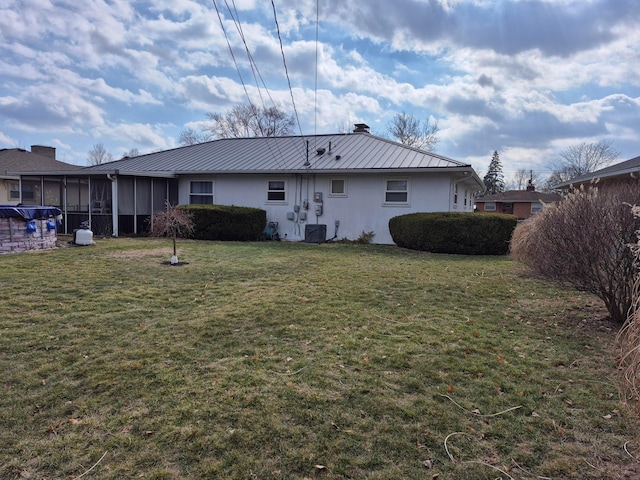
321, 151
361, 128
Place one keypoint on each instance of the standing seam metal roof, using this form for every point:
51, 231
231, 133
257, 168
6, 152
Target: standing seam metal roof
343, 152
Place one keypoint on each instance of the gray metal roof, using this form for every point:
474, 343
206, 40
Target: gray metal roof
343, 152
617, 170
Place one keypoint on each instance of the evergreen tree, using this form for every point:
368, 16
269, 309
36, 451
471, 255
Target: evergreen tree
494, 179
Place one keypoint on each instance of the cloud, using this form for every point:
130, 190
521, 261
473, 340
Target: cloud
50, 107
137, 134
7, 141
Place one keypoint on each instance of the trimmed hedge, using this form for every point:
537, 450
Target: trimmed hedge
222, 222
459, 233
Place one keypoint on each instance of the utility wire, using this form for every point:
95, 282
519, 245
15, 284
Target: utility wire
231, 49
256, 74
315, 86
224, 31
284, 61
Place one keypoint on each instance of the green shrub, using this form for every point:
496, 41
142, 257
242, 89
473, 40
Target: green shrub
448, 232
222, 222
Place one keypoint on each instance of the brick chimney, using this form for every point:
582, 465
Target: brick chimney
44, 150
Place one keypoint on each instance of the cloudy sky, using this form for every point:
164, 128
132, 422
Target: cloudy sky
524, 77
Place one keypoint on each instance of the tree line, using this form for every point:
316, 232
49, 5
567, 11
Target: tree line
574, 161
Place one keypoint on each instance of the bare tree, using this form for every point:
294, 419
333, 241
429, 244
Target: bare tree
250, 121
173, 222
190, 137
521, 178
134, 152
581, 159
241, 121
99, 155
410, 131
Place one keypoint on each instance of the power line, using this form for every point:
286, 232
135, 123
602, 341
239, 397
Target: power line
230, 49
284, 61
252, 63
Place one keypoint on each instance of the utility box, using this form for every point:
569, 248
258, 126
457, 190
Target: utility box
315, 233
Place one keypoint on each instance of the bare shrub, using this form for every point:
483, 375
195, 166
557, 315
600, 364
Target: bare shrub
584, 241
628, 341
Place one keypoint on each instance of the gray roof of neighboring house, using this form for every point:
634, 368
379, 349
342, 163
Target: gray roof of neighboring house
16, 159
617, 170
520, 196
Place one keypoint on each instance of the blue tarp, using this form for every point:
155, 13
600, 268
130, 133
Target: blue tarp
28, 212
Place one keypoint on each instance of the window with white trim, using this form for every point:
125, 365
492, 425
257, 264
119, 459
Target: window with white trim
536, 207
201, 193
455, 194
338, 187
396, 192
276, 191
14, 191
490, 206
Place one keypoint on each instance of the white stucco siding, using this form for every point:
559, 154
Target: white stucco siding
361, 208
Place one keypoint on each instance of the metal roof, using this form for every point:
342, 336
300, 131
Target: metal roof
617, 170
337, 153
342, 152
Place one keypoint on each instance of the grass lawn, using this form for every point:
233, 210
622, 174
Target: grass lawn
293, 361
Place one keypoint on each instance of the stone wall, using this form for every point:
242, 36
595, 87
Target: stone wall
14, 237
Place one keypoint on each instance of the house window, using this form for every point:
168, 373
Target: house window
14, 191
276, 191
201, 193
490, 207
466, 194
455, 194
396, 192
536, 207
338, 187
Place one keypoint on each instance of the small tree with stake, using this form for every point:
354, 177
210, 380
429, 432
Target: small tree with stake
173, 222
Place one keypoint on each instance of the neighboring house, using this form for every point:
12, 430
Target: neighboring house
351, 183
619, 171
40, 159
521, 203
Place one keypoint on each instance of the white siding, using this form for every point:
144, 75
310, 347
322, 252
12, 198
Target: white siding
362, 210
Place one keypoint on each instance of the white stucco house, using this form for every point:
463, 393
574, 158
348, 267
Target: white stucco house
351, 183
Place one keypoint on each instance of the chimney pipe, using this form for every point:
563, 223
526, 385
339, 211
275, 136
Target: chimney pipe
44, 150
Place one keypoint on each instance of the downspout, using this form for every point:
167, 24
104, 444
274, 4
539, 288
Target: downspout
90, 194
114, 202
65, 200
452, 192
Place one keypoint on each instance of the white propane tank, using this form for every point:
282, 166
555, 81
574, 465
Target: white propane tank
83, 237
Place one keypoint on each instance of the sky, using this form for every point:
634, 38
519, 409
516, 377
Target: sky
526, 78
